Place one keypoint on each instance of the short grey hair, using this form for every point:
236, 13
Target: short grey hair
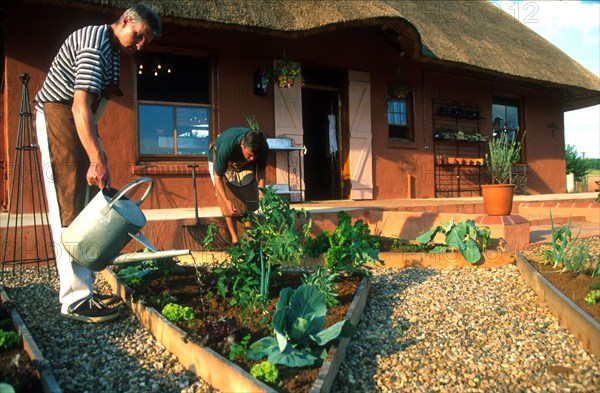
146, 14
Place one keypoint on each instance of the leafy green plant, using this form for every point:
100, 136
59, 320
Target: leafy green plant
398, 245
265, 371
562, 242
352, 248
592, 297
9, 339
577, 260
162, 299
175, 312
209, 239
317, 245
271, 238
298, 338
238, 350
504, 153
463, 236
324, 281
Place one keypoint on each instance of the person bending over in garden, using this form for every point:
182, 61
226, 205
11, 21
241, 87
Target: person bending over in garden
237, 167
84, 73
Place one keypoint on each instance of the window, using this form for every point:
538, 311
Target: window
399, 113
505, 115
174, 108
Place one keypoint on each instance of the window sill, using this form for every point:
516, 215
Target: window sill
397, 143
169, 169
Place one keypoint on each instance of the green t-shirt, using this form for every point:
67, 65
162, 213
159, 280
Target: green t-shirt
228, 150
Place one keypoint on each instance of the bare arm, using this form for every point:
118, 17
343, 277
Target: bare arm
98, 173
260, 177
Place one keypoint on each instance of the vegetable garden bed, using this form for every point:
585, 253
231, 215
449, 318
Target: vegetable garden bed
23, 366
214, 367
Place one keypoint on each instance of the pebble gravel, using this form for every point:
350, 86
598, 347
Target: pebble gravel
423, 330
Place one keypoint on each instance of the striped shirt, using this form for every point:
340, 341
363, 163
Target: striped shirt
85, 61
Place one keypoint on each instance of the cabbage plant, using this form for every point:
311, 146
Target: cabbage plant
299, 339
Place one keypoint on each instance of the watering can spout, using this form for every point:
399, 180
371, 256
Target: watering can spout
144, 256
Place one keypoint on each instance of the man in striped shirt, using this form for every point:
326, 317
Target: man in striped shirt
84, 73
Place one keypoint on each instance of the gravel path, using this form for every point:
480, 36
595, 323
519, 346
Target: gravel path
423, 330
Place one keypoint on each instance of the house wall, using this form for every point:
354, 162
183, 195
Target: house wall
400, 171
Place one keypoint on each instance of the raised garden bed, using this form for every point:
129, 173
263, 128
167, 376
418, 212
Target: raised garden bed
557, 297
214, 367
24, 367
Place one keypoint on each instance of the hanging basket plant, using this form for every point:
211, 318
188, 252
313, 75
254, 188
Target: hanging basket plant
397, 91
284, 75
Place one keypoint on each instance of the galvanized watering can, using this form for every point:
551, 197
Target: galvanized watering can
107, 223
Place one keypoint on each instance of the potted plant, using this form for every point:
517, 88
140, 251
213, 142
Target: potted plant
504, 153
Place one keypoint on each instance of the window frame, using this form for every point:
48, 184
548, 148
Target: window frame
515, 103
401, 92
144, 159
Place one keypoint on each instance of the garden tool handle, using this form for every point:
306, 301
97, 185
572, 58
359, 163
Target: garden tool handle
194, 166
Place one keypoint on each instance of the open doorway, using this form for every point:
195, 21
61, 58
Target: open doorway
320, 119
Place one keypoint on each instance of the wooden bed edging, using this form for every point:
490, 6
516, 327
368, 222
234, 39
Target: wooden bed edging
569, 314
49, 383
396, 260
220, 372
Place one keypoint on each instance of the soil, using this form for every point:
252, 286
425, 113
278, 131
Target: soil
575, 286
17, 368
218, 324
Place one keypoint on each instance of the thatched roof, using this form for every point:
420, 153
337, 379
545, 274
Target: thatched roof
475, 34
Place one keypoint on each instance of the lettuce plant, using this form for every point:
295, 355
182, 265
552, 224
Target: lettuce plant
9, 339
299, 339
175, 312
265, 371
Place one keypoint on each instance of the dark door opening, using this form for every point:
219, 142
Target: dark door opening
320, 119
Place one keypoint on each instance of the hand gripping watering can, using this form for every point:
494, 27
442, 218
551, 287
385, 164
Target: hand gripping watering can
107, 223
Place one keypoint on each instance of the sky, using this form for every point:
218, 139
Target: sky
573, 27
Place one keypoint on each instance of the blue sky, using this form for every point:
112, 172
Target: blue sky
574, 27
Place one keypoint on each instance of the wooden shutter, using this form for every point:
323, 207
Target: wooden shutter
361, 157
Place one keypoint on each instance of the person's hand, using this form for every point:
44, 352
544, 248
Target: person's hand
98, 175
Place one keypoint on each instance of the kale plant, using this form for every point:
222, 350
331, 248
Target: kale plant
352, 249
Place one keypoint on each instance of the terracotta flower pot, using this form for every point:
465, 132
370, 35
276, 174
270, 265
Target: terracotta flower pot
497, 199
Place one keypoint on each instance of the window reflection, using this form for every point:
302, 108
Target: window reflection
168, 130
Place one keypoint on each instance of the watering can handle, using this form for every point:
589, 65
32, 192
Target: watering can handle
128, 187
